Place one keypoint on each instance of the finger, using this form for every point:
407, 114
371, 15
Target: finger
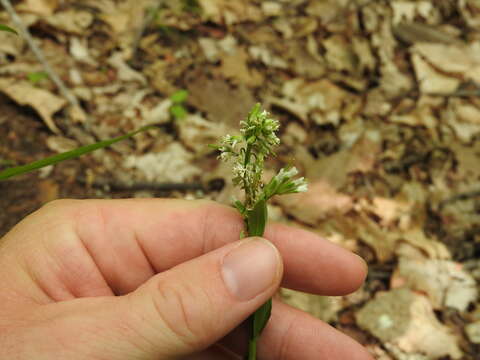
292, 334
315, 265
215, 352
122, 243
178, 312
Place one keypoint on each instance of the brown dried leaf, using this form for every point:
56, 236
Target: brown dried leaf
222, 103
445, 282
406, 321
45, 103
320, 202
172, 164
40, 7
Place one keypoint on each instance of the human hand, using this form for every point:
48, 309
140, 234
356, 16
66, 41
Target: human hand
143, 279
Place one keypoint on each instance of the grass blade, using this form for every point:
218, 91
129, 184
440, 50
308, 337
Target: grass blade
8, 29
18, 170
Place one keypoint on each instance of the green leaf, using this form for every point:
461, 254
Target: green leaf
178, 111
257, 219
259, 321
36, 77
8, 173
179, 96
8, 29
240, 207
191, 6
260, 318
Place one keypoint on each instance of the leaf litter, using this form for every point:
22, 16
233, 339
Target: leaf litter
379, 106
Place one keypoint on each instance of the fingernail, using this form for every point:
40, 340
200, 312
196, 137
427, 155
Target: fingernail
250, 268
362, 261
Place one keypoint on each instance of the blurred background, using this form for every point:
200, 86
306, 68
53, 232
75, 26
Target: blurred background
379, 106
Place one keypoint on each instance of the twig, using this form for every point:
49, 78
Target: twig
66, 93
138, 186
150, 16
460, 197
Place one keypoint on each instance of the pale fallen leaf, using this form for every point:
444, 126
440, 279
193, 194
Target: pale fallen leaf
125, 72
322, 307
470, 10
212, 9
321, 201
267, 57
159, 114
61, 144
11, 45
222, 103
444, 282
40, 7
72, 21
210, 48
80, 52
430, 80
229, 12
432, 248
386, 209
48, 190
473, 332
271, 8
463, 118
382, 241
460, 60
406, 320
172, 164
324, 101
197, 133
235, 67
339, 54
415, 32
42, 101
408, 11
421, 115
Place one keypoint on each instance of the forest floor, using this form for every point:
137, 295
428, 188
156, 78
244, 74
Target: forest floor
379, 106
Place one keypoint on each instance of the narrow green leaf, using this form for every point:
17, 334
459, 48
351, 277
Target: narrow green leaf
178, 111
36, 77
179, 96
8, 29
261, 317
257, 219
8, 173
240, 207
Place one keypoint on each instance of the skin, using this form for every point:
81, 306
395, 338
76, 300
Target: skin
138, 279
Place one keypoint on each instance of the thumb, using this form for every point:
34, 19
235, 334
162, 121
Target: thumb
193, 305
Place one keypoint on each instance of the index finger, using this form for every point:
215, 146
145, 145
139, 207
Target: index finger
130, 240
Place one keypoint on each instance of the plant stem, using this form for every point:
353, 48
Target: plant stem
248, 195
252, 349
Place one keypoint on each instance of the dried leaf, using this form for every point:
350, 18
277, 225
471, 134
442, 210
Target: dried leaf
44, 102
321, 201
71, 21
172, 164
40, 7
430, 80
443, 281
406, 321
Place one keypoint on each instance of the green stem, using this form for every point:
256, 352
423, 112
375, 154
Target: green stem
256, 221
247, 187
252, 349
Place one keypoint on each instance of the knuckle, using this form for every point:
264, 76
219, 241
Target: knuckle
59, 206
287, 338
180, 307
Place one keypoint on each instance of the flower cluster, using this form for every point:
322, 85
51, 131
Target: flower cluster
248, 152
